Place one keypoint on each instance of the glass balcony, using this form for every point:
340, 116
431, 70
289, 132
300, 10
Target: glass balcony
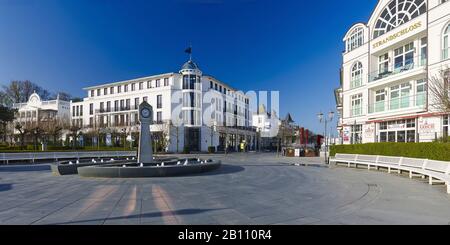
356, 111
356, 83
414, 101
400, 67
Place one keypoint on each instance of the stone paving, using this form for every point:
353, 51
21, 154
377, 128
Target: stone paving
248, 189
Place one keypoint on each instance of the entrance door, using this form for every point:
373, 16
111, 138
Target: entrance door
192, 139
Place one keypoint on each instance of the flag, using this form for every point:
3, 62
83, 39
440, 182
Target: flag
188, 50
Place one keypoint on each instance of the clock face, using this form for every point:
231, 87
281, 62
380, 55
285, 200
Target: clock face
145, 113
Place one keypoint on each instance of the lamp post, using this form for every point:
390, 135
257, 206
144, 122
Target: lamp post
326, 120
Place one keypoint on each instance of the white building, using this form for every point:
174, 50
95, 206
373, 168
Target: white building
36, 111
193, 109
387, 66
267, 125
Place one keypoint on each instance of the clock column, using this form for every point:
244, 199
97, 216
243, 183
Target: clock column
145, 151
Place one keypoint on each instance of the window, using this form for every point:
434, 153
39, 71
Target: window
191, 82
136, 103
220, 89
125, 88
356, 105
98, 92
445, 124
108, 106
128, 104
81, 110
73, 110
421, 92
149, 84
122, 105
356, 39
105, 91
356, 134
380, 100
116, 105
119, 89
133, 86
92, 93
356, 75
383, 64
159, 117
141, 85
159, 102
102, 107
91, 109
215, 86
211, 84
166, 82
400, 96
446, 43
423, 51
158, 83
396, 13
398, 131
404, 58
111, 90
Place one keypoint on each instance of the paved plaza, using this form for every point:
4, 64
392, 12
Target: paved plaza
248, 189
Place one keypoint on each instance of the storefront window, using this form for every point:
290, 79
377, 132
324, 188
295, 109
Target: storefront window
356, 134
398, 131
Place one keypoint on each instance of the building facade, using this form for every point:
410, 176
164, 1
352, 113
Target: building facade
37, 111
389, 64
191, 110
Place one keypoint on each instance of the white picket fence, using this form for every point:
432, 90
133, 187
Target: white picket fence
6, 158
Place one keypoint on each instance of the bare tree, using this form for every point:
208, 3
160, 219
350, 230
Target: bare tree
440, 91
22, 132
161, 140
53, 127
175, 133
20, 91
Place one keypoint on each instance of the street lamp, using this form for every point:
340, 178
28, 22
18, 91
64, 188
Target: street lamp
326, 121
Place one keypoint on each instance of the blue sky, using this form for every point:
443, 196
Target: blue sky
290, 46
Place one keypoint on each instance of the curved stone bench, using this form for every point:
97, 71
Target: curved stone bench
435, 171
146, 172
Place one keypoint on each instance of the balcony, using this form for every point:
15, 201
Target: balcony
417, 101
116, 109
356, 83
407, 65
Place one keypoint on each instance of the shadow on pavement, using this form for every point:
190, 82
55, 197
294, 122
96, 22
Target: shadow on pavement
225, 169
5, 187
25, 168
145, 215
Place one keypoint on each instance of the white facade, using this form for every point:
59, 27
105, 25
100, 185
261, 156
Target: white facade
190, 107
387, 66
37, 110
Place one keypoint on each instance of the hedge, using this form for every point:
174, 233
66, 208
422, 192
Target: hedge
432, 151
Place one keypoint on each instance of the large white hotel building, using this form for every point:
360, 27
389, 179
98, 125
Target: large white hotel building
193, 109
388, 65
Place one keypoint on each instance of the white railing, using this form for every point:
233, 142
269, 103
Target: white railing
57, 156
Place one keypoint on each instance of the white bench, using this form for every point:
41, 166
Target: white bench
435, 171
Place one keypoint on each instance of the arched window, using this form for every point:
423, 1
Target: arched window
356, 79
398, 12
356, 39
446, 43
